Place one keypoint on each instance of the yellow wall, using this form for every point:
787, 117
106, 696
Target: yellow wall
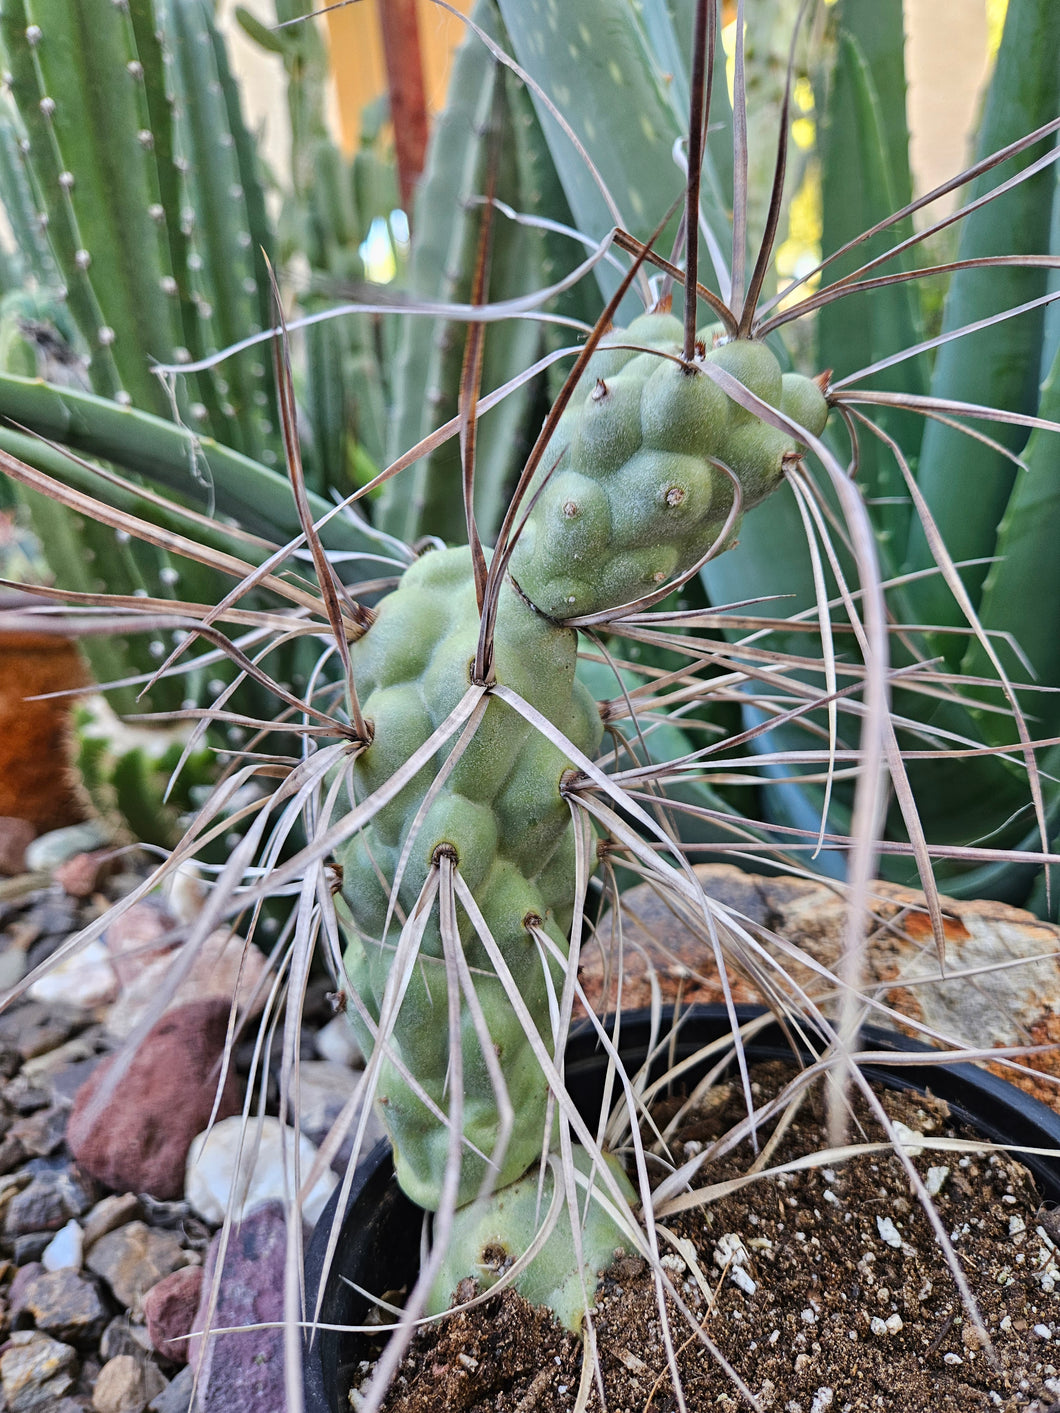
357, 57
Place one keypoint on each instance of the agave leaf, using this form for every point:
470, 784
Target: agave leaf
197, 468
864, 177
1002, 365
1027, 559
592, 60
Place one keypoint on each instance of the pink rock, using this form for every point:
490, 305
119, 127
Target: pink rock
139, 936
224, 966
170, 1308
240, 1362
137, 1139
82, 875
15, 836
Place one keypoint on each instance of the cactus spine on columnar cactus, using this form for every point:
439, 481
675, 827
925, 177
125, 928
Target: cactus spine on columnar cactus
637, 484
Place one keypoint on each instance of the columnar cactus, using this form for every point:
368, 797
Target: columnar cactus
633, 492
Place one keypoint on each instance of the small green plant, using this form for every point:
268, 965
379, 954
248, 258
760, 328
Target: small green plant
468, 801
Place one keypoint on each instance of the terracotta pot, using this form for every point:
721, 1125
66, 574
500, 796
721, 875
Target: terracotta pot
36, 780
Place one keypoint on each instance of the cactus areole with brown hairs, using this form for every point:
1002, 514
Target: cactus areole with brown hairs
637, 484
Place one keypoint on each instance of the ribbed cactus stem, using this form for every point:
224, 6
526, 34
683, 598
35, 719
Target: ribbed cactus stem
633, 490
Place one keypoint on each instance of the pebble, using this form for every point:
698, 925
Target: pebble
170, 1308
109, 1214
48, 851
123, 1337
888, 1232
225, 967
85, 978
176, 1397
133, 1259
16, 835
936, 1179
52, 1197
42, 1133
65, 1305
82, 875
259, 1147
126, 1385
30, 1247
53, 917
35, 1371
139, 936
243, 1371
324, 1088
65, 1248
137, 1140
35, 1029
335, 1042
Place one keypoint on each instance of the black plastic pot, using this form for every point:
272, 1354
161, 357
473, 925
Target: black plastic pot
379, 1247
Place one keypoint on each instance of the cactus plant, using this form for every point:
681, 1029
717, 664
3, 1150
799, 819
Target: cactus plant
454, 773
137, 196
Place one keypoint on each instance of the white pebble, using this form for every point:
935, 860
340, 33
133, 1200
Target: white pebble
894, 1324
878, 1326
808, 1316
267, 1145
730, 1250
64, 1249
86, 979
888, 1232
1043, 1332
335, 1042
936, 1177
952, 1359
740, 1277
911, 1140
822, 1399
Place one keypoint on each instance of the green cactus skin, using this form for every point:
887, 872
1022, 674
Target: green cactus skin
634, 496
503, 814
498, 1231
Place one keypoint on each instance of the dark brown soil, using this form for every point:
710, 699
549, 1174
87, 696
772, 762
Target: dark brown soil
843, 1302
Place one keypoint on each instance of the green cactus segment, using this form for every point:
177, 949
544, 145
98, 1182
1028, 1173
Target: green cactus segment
634, 496
127, 771
225, 223
502, 812
147, 200
488, 1237
475, 143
